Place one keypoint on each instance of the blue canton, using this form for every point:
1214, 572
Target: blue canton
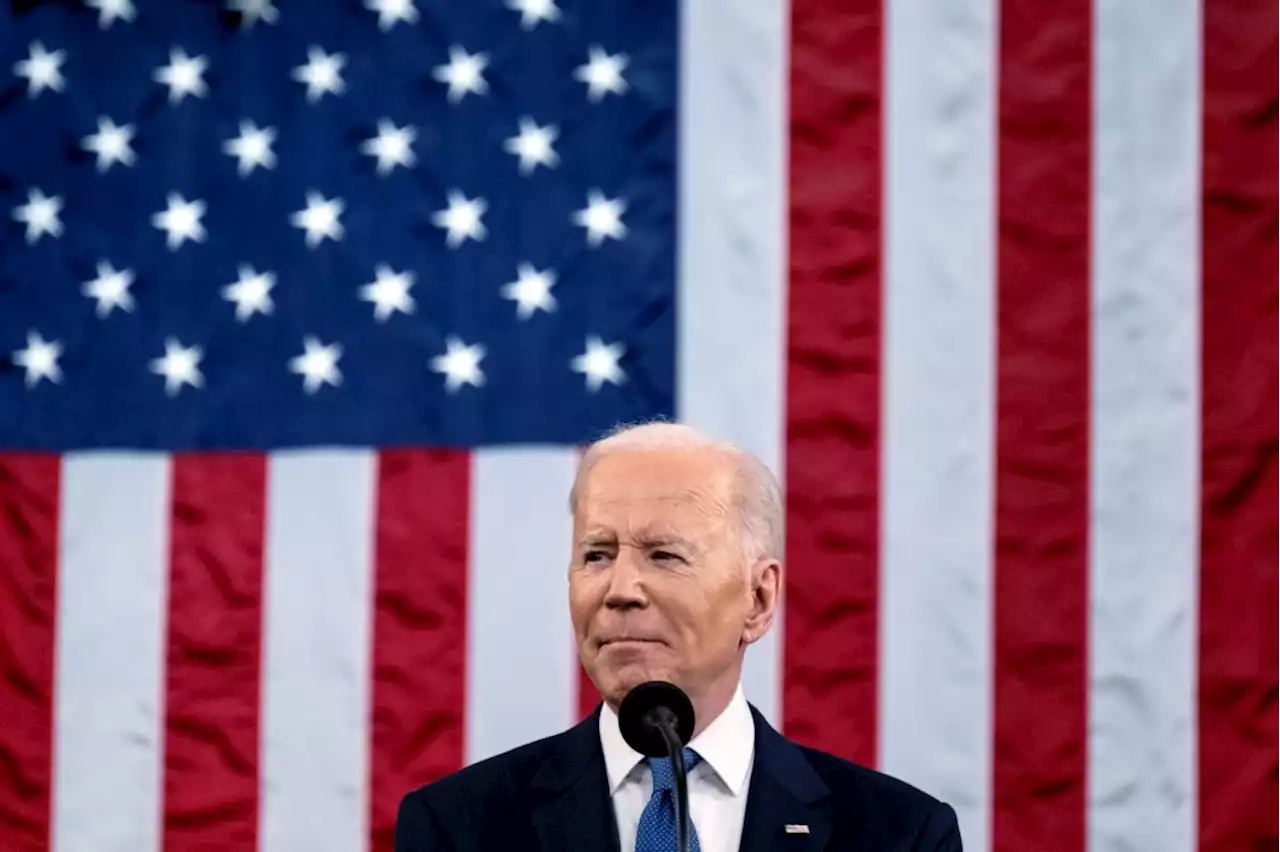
256, 225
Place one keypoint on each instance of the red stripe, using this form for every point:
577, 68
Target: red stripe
1041, 511
833, 383
29, 487
211, 777
419, 629
588, 696
1237, 806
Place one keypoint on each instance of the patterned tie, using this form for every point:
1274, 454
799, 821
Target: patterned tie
657, 829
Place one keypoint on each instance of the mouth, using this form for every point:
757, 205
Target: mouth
624, 641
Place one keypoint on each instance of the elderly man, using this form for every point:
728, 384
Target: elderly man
676, 568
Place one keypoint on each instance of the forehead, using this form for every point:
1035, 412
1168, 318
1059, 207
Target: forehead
630, 485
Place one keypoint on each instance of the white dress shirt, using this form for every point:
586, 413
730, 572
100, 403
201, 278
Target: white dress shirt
717, 785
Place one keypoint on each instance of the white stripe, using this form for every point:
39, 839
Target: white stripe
939, 378
522, 673
732, 254
316, 645
109, 688
1145, 427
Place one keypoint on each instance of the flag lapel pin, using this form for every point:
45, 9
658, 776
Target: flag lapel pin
796, 828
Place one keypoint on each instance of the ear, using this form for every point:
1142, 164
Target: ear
766, 589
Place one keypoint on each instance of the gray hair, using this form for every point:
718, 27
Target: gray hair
757, 495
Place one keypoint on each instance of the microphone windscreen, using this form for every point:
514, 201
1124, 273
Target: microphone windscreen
644, 705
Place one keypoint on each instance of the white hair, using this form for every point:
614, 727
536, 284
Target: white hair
757, 495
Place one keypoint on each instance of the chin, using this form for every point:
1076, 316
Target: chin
619, 681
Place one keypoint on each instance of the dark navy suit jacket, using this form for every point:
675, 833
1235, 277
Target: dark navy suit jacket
553, 796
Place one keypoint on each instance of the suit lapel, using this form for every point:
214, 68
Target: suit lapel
788, 809
574, 810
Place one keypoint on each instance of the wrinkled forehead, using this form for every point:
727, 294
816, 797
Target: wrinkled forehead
647, 488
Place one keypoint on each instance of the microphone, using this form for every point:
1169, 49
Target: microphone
656, 719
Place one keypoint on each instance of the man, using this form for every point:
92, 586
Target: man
676, 569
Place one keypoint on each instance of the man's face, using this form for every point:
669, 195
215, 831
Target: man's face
658, 589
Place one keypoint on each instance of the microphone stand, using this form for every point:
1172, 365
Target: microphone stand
665, 723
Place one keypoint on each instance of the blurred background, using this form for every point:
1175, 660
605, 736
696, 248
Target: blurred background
307, 309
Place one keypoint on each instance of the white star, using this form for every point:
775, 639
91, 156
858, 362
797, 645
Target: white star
462, 219
318, 365
534, 11
322, 73
180, 220
110, 10
180, 365
40, 215
460, 364
110, 289
39, 359
252, 148
533, 146
392, 146
600, 363
252, 11
602, 73
111, 144
251, 293
42, 69
391, 12
531, 290
602, 217
320, 219
463, 73
389, 292
183, 75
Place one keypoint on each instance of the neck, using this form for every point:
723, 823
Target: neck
709, 703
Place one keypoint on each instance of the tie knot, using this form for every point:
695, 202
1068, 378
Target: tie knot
664, 776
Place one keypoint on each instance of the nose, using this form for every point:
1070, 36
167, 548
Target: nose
626, 588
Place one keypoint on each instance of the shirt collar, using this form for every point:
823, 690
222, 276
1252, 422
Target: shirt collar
726, 745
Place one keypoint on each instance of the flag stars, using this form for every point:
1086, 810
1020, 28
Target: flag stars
252, 148
460, 364
531, 291
320, 219
40, 215
533, 12
602, 217
322, 73
42, 69
533, 145
318, 364
39, 359
251, 293
392, 12
252, 11
389, 292
111, 144
599, 363
110, 289
602, 73
180, 221
184, 75
109, 11
393, 146
462, 219
180, 365
464, 73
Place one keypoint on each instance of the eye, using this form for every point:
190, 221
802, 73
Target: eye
592, 556
665, 556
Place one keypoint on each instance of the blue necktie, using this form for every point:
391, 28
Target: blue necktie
657, 829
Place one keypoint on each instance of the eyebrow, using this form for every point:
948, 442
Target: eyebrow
648, 538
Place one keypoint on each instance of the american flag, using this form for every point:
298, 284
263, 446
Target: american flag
306, 309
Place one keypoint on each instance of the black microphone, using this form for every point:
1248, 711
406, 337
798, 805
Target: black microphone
656, 719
